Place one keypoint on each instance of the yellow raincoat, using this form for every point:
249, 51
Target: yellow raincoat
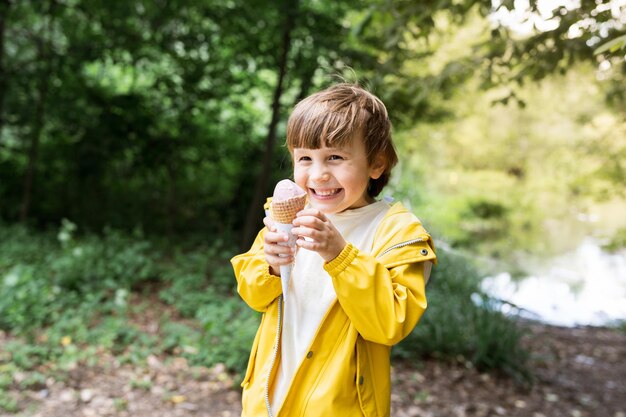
380, 298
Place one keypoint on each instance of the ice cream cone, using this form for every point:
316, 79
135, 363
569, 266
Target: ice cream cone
285, 211
288, 200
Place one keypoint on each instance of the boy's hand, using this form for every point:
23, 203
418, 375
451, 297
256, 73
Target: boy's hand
323, 237
272, 248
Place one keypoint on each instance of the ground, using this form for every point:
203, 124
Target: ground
578, 372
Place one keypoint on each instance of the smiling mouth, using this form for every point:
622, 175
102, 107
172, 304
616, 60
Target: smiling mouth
325, 193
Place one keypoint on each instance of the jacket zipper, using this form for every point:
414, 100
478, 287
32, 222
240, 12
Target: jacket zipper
401, 245
274, 354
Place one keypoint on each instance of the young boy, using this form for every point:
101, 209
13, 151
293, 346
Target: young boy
360, 269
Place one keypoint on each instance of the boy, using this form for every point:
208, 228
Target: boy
358, 280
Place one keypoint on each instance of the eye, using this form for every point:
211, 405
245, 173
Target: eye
304, 158
335, 157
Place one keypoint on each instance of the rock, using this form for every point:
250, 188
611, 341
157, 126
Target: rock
188, 406
179, 364
218, 369
414, 411
501, 411
520, 404
177, 399
67, 395
154, 362
89, 412
552, 397
86, 395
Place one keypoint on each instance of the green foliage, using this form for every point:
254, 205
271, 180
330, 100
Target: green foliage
612, 46
188, 292
461, 323
65, 284
5, 377
78, 295
228, 327
617, 242
64, 318
200, 286
180, 338
619, 324
8, 403
195, 278
504, 180
112, 262
67, 296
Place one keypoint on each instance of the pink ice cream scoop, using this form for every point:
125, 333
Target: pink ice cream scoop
286, 189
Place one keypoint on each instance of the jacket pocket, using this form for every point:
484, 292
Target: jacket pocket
364, 383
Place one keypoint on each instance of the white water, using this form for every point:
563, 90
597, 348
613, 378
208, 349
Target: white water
584, 287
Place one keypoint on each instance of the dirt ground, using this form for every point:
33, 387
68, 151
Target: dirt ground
579, 372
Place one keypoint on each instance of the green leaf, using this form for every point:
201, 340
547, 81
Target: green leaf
612, 46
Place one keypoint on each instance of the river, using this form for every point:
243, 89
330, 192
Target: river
585, 286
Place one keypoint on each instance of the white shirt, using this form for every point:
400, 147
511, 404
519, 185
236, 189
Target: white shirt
311, 292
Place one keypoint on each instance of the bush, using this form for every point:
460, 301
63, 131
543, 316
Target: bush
229, 326
41, 282
463, 323
69, 297
97, 263
66, 296
195, 278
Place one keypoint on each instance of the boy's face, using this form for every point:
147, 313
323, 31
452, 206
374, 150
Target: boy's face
336, 179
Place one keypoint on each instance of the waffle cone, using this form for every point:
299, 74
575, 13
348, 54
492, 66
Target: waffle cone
285, 211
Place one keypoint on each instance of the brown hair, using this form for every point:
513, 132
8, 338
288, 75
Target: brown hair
332, 116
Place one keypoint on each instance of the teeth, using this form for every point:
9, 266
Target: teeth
325, 193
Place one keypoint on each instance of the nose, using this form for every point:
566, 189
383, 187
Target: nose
320, 173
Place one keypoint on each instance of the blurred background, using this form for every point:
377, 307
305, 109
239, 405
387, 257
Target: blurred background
138, 141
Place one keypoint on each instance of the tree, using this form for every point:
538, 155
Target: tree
545, 41
291, 13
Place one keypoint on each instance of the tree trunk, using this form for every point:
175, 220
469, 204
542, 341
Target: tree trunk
38, 117
171, 201
305, 86
255, 210
4, 12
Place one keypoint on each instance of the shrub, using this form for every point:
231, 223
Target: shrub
69, 296
461, 322
41, 281
228, 328
195, 278
103, 263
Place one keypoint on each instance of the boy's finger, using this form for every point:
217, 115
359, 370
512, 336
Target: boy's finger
307, 244
308, 221
276, 237
306, 232
279, 260
313, 212
269, 223
278, 250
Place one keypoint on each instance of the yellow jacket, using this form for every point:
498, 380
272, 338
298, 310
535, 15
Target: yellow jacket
380, 298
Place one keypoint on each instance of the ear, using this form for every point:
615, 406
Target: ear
378, 167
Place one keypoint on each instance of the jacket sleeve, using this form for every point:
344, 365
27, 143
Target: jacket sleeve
256, 286
384, 304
